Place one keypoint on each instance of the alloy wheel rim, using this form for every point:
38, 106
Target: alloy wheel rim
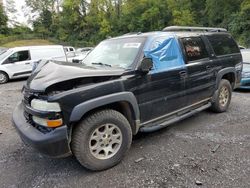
105, 141
2, 78
224, 96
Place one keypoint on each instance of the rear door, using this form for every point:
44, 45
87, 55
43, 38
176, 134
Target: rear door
226, 51
200, 70
19, 63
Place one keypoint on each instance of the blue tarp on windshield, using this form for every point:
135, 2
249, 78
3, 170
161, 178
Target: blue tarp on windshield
166, 56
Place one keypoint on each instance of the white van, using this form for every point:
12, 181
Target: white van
18, 62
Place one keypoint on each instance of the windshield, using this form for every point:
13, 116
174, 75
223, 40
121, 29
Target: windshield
4, 54
119, 53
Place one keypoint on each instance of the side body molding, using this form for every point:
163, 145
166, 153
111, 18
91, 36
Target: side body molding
86, 106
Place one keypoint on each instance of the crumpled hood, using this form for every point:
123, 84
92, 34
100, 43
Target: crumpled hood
51, 72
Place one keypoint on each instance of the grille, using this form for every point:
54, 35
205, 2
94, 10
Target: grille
27, 116
27, 97
26, 100
42, 129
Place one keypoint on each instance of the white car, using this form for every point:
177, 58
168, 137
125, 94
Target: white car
2, 49
18, 62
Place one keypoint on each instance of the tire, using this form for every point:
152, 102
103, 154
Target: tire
4, 78
222, 97
93, 150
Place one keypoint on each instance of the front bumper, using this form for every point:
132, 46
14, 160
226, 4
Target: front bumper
245, 83
54, 143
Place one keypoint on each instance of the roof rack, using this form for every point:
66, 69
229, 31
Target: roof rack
203, 29
133, 33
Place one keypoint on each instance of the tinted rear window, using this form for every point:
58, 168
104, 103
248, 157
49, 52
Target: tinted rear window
223, 44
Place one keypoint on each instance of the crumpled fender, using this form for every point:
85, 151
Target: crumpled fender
81, 109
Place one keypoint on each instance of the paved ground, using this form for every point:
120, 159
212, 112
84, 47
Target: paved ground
177, 156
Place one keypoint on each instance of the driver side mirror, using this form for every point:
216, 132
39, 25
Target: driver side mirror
146, 65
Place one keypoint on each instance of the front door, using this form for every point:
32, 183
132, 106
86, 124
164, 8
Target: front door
19, 63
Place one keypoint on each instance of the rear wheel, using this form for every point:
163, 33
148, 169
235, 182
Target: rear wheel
101, 140
222, 97
3, 77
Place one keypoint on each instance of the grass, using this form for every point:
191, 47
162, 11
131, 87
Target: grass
33, 42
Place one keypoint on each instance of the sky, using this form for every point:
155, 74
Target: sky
19, 16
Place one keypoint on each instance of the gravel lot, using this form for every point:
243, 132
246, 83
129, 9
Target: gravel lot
213, 149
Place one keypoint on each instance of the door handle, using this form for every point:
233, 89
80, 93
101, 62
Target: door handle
183, 74
209, 68
27, 63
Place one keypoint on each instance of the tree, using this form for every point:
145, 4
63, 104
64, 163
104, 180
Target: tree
181, 11
3, 20
11, 12
142, 15
219, 13
71, 22
198, 8
90, 21
240, 24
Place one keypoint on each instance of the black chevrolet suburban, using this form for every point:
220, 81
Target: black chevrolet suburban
135, 82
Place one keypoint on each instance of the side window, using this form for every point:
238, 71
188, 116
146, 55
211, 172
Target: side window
195, 48
223, 44
71, 49
157, 42
165, 53
19, 56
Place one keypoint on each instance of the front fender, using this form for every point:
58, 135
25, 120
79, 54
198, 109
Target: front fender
81, 109
4, 69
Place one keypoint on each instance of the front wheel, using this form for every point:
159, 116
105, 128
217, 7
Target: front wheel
222, 97
3, 77
101, 140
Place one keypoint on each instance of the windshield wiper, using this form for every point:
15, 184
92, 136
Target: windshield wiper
102, 64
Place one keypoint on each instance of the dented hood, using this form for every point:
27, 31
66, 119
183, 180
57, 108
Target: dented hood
49, 73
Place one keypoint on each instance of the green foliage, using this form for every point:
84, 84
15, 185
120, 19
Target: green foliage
181, 12
240, 24
86, 22
3, 21
144, 15
220, 12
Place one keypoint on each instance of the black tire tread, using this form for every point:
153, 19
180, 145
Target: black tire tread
215, 105
83, 128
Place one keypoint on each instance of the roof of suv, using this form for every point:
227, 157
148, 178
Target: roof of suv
164, 33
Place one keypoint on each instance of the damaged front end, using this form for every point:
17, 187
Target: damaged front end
42, 118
